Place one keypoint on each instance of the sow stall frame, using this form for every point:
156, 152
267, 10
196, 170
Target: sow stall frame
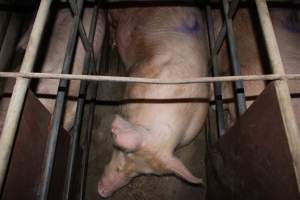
22, 82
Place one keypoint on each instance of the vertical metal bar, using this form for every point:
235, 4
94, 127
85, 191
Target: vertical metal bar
221, 37
215, 69
88, 139
102, 61
4, 25
79, 111
82, 34
239, 88
18, 96
282, 89
9, 44
59, 108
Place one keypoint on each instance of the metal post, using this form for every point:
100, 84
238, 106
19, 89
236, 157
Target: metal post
102, 61
82, 34
215, 70
59, 108
221, 37
239, 88
282, 89
79, 111
18, 96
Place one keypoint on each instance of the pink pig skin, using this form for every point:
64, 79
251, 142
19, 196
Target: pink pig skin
160, 42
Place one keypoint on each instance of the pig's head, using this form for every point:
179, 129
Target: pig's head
135, 155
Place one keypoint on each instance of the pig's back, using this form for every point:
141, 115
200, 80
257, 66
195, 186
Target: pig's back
160, 33
172, 48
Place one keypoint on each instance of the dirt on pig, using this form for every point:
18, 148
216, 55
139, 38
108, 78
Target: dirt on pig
143, 187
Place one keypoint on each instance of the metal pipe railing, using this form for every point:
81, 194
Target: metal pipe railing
82, 33
88, 133
74, 144
215, 71
281, 86
59, 107
104, 78
18, 96
5, 16
102, 61
222, 34
238, 85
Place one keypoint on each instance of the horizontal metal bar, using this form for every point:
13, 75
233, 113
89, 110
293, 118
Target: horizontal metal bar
150, 80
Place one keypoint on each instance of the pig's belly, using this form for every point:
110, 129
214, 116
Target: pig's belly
196, 122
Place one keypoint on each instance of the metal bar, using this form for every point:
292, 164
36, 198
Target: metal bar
18, 96
215, 69
82, 33
86, 147
59, 108
88, 134
79, 111
282, 89
102, 78
4, 25
88, 139
239, 88
221, 37
7, 50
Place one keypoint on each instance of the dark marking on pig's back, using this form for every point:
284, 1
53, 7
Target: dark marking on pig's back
186, 27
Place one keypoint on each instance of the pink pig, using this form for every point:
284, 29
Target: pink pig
159, 42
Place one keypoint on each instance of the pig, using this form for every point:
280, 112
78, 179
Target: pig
253, 58
157, 42
53, 58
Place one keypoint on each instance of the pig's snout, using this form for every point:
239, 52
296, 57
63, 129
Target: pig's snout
103, 190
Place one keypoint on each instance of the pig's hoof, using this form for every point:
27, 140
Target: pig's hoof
102, 192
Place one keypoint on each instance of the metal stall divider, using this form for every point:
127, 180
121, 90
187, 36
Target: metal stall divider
215, 72
89, 67
18, 96
76, 8
101, 66
215, 46
239, 88
281, 86
241, 144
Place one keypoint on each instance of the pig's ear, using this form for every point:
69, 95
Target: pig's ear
176, 166
126, 135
